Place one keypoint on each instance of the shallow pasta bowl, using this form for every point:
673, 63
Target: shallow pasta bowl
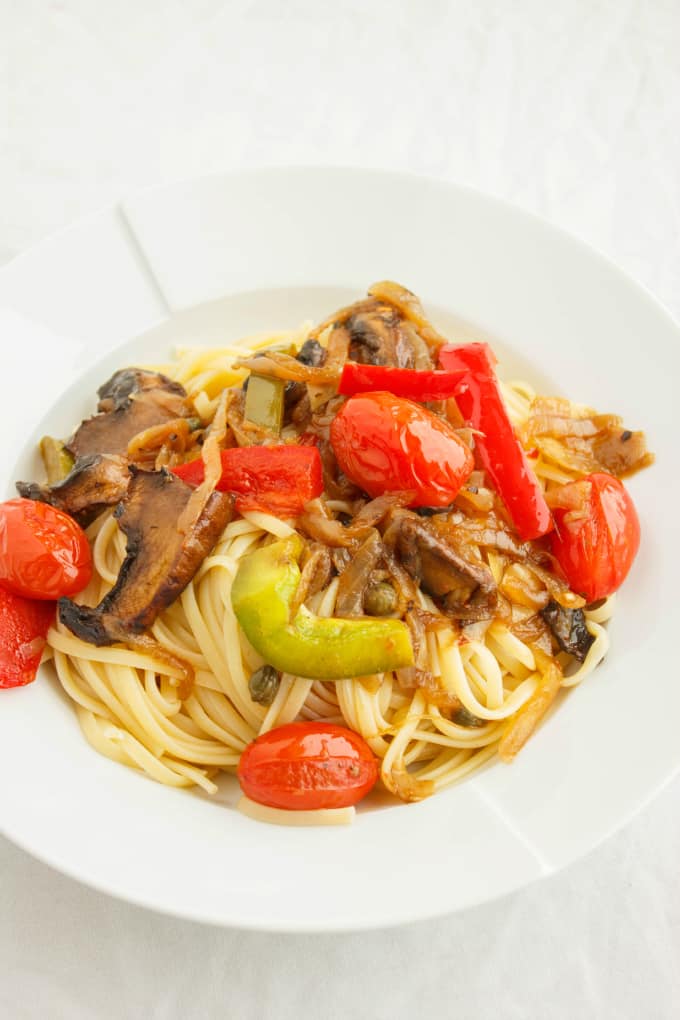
211, 260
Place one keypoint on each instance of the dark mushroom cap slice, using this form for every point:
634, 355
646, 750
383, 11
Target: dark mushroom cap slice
463, 587
95, 482
160, 560
131, 401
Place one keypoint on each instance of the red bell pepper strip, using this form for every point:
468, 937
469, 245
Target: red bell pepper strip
402, 382
503, 458
278, 480
24, 624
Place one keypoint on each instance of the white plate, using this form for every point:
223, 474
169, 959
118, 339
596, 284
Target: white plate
215, 258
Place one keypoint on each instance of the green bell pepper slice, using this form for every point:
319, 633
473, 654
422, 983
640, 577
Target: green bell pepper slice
308, 645
265, 402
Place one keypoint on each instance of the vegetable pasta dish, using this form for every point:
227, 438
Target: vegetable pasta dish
323, 559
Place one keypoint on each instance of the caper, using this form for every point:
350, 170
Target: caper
380, 599
194, 424
263, 685
465, 718
311, 353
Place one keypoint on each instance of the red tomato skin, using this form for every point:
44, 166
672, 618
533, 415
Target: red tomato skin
306, 766
44, 553
23, 629
597, 551
385, 443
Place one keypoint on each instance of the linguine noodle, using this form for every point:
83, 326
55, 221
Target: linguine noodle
128, 702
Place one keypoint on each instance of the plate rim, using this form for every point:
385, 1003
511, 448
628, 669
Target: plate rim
117, 208
642, 291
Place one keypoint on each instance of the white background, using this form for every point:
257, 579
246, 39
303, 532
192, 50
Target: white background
570, 109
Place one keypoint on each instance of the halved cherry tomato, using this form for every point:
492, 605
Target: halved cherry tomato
305, 766
23, 629
384, 443
44, 554
597, 534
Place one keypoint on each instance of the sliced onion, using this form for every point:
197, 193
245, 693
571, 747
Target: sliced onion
284, 366
355, 578
410, 307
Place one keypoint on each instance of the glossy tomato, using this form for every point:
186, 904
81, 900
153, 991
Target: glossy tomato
384, 444
305, 766
597, 535
44, 554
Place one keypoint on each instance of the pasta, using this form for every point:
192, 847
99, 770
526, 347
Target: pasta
129, 703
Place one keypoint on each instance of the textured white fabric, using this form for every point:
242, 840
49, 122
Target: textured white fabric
572, 110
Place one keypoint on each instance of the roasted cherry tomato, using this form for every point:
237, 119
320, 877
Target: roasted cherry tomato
384, 443
44, 554
305, 766
23, 629
597, 534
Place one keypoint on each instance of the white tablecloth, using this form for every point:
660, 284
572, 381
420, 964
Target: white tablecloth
571, 109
